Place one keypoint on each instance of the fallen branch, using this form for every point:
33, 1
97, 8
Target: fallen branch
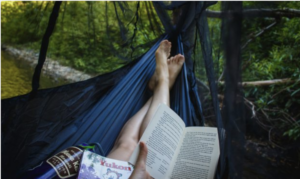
266, 82
252, 13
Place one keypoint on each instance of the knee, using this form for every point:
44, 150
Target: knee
127, 145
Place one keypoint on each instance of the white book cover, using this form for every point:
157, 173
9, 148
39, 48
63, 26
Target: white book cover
94, 166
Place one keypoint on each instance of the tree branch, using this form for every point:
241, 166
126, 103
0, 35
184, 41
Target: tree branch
252, 13
246, 64
199, 82
252, 106
259, 33
265, 82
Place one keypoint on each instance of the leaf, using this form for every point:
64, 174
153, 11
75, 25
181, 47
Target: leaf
295, 92
270, 102
290, 132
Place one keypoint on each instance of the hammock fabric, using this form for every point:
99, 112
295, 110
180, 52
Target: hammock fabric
44, 122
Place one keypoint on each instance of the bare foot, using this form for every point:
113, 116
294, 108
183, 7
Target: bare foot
161, 71
175, 65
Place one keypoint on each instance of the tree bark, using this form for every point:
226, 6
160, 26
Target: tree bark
251, 13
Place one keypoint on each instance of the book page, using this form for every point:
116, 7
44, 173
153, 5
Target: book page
162, 137
198, 155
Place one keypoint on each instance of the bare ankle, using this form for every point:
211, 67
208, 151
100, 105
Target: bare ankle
163, 81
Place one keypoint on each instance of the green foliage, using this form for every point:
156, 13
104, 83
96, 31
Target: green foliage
272, 55
293, 133
20, 21
80, 38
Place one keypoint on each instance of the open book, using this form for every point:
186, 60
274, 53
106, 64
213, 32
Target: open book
176, 151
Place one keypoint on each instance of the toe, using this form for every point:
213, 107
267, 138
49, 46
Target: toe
181, 59
173, 59
176, 58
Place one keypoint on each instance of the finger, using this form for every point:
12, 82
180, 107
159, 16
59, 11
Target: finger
141, 161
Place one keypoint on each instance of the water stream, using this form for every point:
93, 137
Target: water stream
16, 76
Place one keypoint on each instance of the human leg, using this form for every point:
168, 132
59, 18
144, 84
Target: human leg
134, 128
129, 135
161, 93
162, 87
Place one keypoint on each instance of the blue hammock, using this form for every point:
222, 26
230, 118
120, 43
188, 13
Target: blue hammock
94, 110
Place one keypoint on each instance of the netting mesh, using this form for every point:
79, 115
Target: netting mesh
214, 54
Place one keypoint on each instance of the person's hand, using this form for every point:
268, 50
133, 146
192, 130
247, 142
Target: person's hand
139, 171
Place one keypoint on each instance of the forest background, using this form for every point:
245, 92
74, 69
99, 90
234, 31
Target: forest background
81, 40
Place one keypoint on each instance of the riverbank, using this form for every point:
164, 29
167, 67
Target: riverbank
51, 68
